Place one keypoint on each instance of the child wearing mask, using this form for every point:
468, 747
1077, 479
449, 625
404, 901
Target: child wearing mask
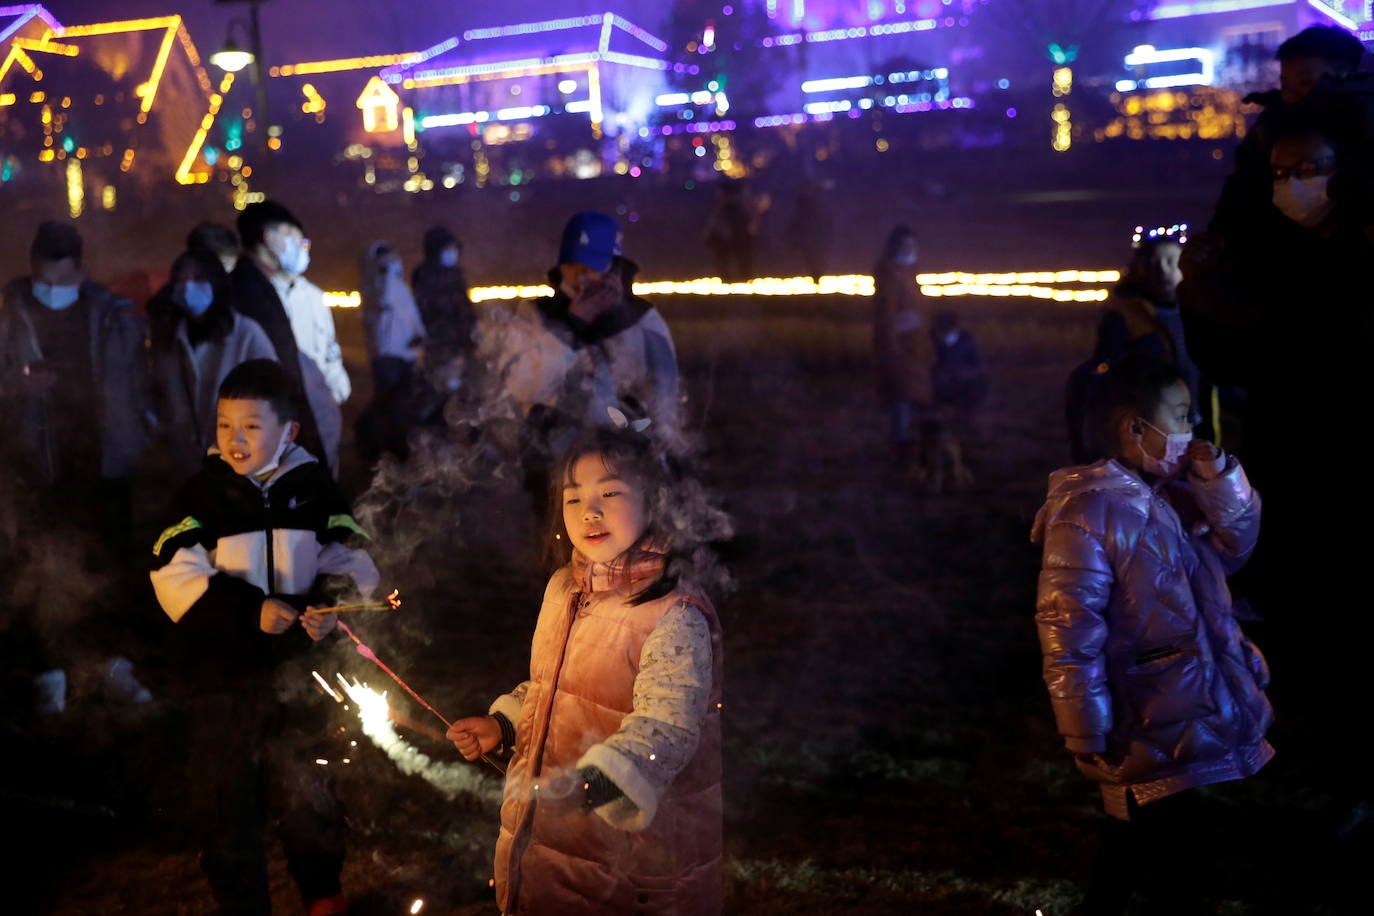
196, 338
960, 383
1155, 689
255, 539
613, 799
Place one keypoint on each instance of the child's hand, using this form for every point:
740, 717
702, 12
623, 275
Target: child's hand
317, 623
475, 736
1206, 459
276, 617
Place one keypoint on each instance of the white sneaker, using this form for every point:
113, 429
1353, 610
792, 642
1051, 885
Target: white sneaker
120, 683
51, 693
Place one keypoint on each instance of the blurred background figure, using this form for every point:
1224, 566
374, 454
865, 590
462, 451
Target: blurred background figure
195, 339
441, 293
732, 229
808, 232
395, 334
960, 384
903, 354
1142, 317
218, 240
72, 392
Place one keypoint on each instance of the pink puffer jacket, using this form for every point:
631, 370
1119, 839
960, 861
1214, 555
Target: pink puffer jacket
1145, 664
583, 663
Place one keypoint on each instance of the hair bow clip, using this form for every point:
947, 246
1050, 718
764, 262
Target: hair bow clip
621, 421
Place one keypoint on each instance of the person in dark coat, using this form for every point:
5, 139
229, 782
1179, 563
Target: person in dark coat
1320, 61
441, 292
1288, 317
73, 393
274, 243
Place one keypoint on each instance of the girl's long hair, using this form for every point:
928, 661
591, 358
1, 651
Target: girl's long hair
681, 520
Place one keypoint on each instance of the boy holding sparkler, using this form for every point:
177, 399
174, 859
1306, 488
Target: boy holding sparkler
254, 532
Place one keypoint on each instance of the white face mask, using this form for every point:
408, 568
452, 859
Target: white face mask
905, 260
56, 298
294, 257
1303, 200
951, 338
229, 263
1175, 448
195, 296
272, 465
449, 257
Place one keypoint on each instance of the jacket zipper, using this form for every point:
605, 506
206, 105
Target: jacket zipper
267, 529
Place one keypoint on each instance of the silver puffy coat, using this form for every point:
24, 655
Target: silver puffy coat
1147, 669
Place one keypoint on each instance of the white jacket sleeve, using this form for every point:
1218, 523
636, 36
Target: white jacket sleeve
656, 740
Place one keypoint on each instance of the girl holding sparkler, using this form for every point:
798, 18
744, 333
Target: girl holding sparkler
1155, 689
612, 799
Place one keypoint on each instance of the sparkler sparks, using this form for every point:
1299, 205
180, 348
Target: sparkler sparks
391, 602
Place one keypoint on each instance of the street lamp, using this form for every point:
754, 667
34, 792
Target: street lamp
231, 58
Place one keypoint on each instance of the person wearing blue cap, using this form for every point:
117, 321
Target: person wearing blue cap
593, 344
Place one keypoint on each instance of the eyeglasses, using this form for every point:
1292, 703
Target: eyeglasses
1310, 168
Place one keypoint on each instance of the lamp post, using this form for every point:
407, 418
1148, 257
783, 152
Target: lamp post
232, 59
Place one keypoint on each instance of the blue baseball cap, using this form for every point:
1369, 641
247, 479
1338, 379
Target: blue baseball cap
590, 239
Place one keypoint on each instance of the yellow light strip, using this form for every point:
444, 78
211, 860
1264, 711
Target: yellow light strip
24, 60
183, 175
934, 285
7, 99
1003, 279
594, 95
162, 54
125, 25
1017, 290
51, 47
345, 63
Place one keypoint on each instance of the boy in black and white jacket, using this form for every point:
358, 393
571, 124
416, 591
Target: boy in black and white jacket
258, 535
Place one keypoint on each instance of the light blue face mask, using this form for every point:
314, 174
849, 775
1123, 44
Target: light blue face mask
195, 296
449, 257
56, 298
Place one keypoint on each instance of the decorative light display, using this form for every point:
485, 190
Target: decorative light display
1335, 14
1146, 55
380, 106
146, 92
1201, 112
1202, 7
76, 188
341, 65
24, 14
1029, 284
1177, 232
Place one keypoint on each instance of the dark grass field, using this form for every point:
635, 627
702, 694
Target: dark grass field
889, 748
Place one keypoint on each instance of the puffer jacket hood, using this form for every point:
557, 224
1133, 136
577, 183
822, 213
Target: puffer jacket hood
1146, 667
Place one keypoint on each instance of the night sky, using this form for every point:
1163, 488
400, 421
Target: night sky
296, 30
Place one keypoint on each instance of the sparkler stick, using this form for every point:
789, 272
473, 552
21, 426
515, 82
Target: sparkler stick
392, 602
366, 652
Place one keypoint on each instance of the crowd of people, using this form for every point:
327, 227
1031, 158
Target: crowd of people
223, 394
220, 397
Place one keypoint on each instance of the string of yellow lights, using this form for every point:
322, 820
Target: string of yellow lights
934, 285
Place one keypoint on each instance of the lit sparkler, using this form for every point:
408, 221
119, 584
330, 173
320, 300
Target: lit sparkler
366, 652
